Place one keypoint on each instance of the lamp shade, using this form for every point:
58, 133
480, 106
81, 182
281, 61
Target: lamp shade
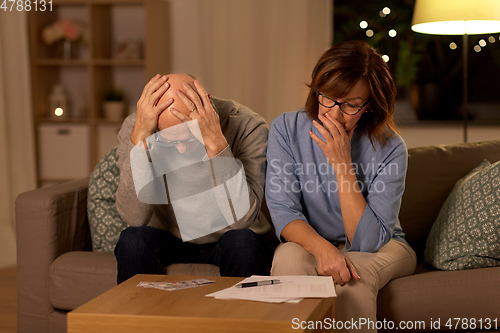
456, 17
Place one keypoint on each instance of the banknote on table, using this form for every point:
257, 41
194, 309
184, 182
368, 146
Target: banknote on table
171, 286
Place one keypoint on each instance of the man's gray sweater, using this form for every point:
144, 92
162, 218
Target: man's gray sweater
246, 133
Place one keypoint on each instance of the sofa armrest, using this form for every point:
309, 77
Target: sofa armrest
49, 222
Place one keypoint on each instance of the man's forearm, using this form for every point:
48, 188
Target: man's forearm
133, 212
216, 148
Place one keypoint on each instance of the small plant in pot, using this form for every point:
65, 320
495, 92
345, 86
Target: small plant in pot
114, 104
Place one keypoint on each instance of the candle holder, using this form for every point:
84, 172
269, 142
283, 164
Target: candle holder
58, 101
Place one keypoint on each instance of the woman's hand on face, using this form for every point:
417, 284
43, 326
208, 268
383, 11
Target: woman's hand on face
208, 120
148, 109
332, 262
337, 142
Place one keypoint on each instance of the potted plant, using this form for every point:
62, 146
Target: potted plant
114, 104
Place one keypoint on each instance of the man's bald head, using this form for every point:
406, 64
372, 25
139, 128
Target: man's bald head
167, 119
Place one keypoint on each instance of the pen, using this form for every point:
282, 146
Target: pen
257, 283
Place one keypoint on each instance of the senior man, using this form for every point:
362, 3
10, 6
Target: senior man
192, 171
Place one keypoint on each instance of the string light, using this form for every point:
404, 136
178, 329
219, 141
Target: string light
477, 48
482, 43
363, 24
392, 33
491, 39
453, 46
384, 12
369, 33
385, 57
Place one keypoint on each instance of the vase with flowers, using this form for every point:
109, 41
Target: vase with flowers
64, 30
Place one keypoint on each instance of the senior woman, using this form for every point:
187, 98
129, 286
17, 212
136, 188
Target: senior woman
335, 177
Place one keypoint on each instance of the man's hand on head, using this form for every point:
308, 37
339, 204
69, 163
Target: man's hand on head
199, 103
148, 108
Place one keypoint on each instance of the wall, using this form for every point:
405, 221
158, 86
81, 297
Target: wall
429, 135
258, 52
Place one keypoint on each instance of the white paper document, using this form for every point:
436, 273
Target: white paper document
290, 289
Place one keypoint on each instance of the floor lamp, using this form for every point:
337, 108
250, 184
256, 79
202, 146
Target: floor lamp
457, 17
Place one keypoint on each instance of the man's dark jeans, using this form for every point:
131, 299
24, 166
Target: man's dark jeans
147, 250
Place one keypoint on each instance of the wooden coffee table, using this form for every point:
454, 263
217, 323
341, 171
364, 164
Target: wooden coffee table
127, 308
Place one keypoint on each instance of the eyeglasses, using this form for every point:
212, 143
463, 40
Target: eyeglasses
169, 143
347, 108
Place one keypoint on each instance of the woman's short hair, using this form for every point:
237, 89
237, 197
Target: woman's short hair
337, 72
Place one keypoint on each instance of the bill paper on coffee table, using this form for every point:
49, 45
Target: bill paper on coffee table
291, 289
171, 286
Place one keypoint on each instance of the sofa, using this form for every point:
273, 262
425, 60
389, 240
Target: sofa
57, 270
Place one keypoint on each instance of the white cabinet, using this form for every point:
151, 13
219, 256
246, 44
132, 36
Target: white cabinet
64, 151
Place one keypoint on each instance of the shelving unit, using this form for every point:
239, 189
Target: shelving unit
88, 75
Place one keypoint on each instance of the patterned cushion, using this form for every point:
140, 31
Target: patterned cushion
466, 233
105, 222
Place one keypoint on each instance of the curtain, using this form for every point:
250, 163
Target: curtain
17, 153
259, 53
